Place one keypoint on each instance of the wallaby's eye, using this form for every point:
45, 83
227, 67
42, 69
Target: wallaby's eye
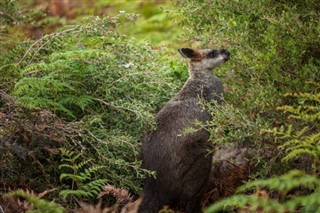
212, 54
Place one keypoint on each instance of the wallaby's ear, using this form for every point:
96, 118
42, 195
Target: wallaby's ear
187, 53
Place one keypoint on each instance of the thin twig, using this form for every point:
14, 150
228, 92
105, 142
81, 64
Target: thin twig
117, 107
58, 34
1, 209
92, 135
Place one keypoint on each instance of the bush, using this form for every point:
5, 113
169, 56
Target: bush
273, 45
274, 51
107, 85
274, 64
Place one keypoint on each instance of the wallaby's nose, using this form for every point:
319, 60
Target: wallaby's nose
226, 53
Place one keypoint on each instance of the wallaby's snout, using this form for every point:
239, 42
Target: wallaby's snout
226, 54
212, 54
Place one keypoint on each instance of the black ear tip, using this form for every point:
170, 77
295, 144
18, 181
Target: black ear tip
182, 49
185, 49
187, 52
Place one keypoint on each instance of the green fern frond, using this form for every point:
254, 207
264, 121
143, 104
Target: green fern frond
37, 102
39, 205
81, 164
251, 203
308, 110
76, 178
69, 156
301, 138
80, 55
87, 172
34, 70
306, 96
40, 86
88, 190
306, 113
66, 153
302, 143
284, 183
94, 186
310, 203
265, 203
72, 162
78, 193
81, 173
81, 101
309, 145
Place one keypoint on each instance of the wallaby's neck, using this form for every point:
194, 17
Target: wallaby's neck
199, 73
201, 83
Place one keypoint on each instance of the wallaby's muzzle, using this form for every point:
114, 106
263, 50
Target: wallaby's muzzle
226, 54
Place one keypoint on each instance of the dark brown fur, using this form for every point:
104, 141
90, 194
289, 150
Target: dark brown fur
182, 162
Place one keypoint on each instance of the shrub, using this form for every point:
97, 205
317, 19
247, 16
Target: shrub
274, 51
107, 85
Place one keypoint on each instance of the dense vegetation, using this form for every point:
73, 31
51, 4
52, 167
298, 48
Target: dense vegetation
76, 102
272, 102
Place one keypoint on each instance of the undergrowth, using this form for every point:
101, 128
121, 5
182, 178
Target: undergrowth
274, 54
84, 183
106, 85
271, 105
303, 140
291, 192
75, 103
32, 203
300, 144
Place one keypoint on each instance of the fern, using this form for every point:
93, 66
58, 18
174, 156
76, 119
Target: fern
86, 190
35, 203
284, 183
252, 203
32, 103
263, 201
305, 111
303, 137
303, 143
81, 175
80, 101
80, 55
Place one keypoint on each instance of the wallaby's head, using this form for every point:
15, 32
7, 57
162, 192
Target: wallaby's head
204, 59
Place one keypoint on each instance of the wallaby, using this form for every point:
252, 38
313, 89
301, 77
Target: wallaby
182, 161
